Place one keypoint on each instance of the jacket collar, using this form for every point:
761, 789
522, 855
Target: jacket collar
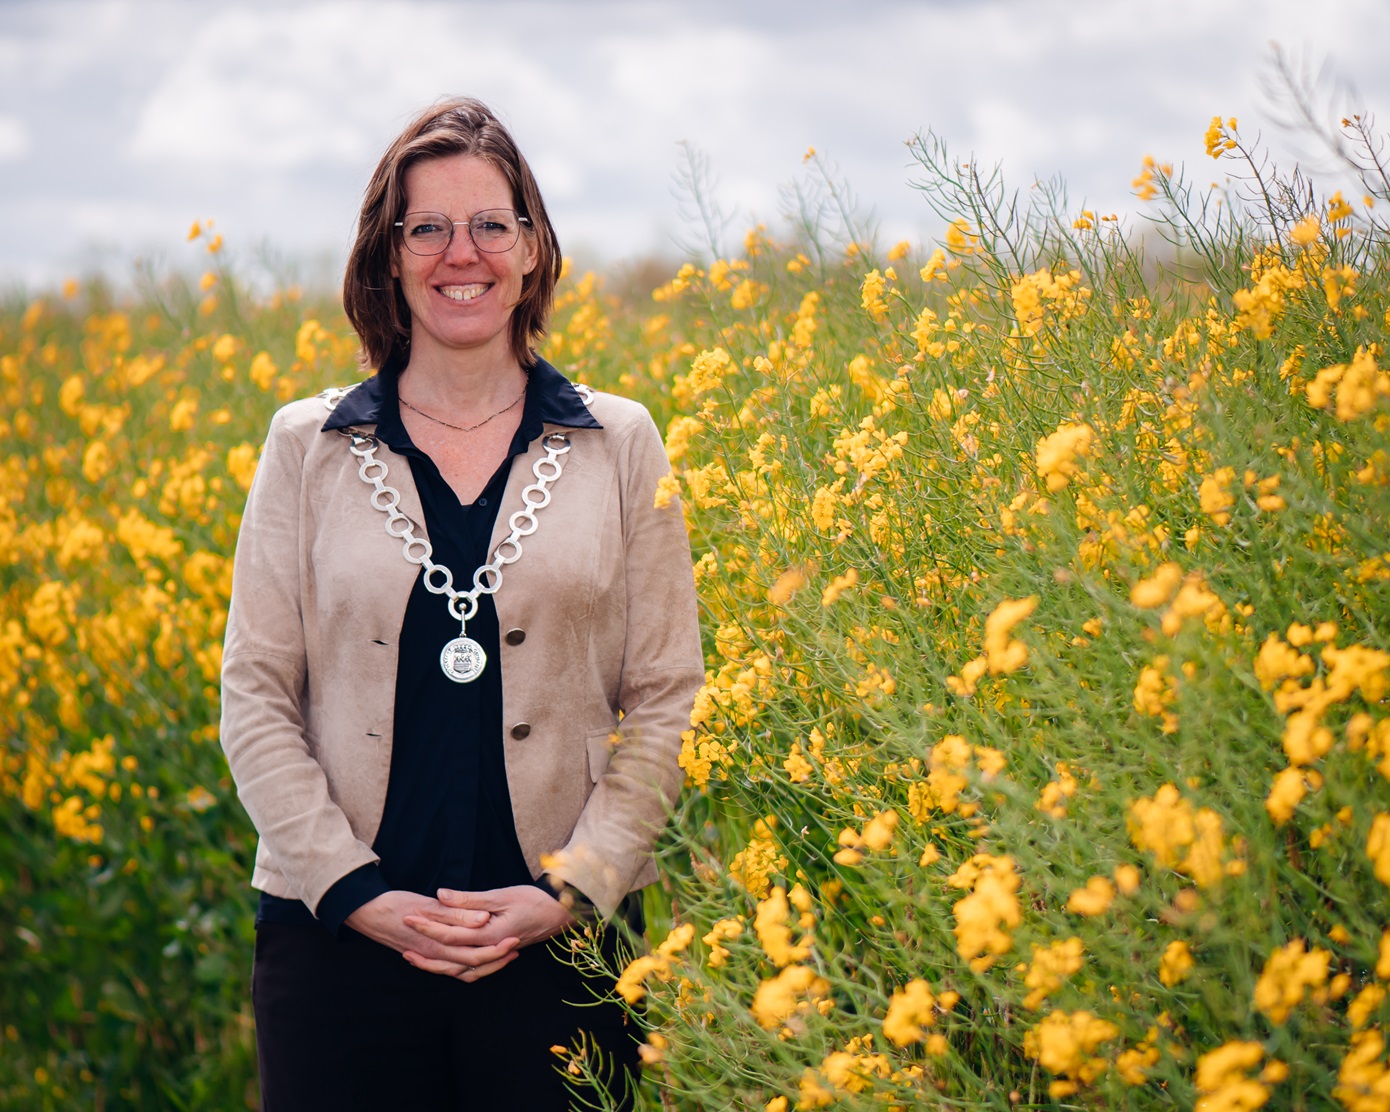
554, 397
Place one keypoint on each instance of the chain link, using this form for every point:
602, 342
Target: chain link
439, 579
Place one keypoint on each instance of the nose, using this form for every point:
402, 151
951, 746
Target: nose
461, 246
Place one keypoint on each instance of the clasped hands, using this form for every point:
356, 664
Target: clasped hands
466, 935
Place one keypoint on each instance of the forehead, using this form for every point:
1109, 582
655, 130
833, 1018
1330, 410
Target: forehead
456, 184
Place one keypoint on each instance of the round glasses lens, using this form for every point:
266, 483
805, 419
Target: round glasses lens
494, 229
426, 233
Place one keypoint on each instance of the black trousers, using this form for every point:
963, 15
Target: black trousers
349, 1024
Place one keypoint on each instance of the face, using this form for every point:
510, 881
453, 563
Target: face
461, 301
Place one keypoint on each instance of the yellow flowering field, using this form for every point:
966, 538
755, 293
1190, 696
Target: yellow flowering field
1044, 754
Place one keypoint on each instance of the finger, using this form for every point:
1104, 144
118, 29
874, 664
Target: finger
486, 955
434, 965
480, 971
466, 954
449, 935
454, 916
482, 901
458, 970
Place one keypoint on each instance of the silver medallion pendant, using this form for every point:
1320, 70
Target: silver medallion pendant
463, 660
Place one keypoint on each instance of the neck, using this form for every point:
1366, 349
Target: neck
461, 390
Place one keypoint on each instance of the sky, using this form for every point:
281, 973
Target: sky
123, 121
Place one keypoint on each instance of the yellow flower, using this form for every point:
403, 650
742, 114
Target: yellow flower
1305, 741
792, 990
1065, 1045
1057, 454
872, 294
1195, 599
1277, 661
199, 798
1366, 1004
1004, 653
752, 867
263, 370
788, 583
1306, 231
1363, 1081
1055, 793
1288, 975
799, 769
774, 935
909, 1011
935, 266
722, 931
96, 461
1220, 137
181, 417
1155, 693
878, 831
824, 505
1094, 899
668, 487
1050, 967
1133, 1065
630, 984
1215, 497
241, 464
1378, 847
1223, 1081
708, 370
1285, 794
1153, 592
838, 586
1166, 825
1127, 879
1176, 963
984, 917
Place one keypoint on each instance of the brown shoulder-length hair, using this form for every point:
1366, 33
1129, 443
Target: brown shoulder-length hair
372, 297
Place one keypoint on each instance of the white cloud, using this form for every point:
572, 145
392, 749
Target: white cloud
270, 115
14, 139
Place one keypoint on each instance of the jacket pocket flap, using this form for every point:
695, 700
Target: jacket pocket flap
600, 747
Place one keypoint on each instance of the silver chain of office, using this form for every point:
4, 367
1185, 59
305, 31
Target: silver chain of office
462, 659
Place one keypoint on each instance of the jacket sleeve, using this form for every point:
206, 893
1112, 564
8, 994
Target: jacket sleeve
661, 672
265, 684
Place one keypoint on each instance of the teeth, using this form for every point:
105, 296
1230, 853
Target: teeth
462, 293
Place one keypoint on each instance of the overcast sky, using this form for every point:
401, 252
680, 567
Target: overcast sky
123, 121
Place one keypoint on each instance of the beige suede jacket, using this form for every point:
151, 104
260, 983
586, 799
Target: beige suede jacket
600, 655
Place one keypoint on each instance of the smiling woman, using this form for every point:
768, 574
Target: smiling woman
426, 788
461, 296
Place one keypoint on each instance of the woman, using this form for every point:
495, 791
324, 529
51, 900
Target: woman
460, 653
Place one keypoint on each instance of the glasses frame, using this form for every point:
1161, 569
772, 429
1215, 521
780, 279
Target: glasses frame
522, 221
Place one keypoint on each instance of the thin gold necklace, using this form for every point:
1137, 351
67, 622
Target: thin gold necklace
466, 428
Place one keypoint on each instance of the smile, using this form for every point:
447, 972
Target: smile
464, 293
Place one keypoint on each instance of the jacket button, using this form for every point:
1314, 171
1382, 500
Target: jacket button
521, 731
515, 636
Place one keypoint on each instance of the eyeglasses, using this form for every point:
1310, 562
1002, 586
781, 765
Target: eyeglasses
430, 233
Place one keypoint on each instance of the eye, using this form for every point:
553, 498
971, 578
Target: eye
494, 224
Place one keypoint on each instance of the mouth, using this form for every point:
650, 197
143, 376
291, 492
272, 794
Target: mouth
464, 293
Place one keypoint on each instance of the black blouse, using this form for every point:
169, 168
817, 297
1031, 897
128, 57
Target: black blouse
447, 821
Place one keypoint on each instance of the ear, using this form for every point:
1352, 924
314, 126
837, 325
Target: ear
533, 253
395, 270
